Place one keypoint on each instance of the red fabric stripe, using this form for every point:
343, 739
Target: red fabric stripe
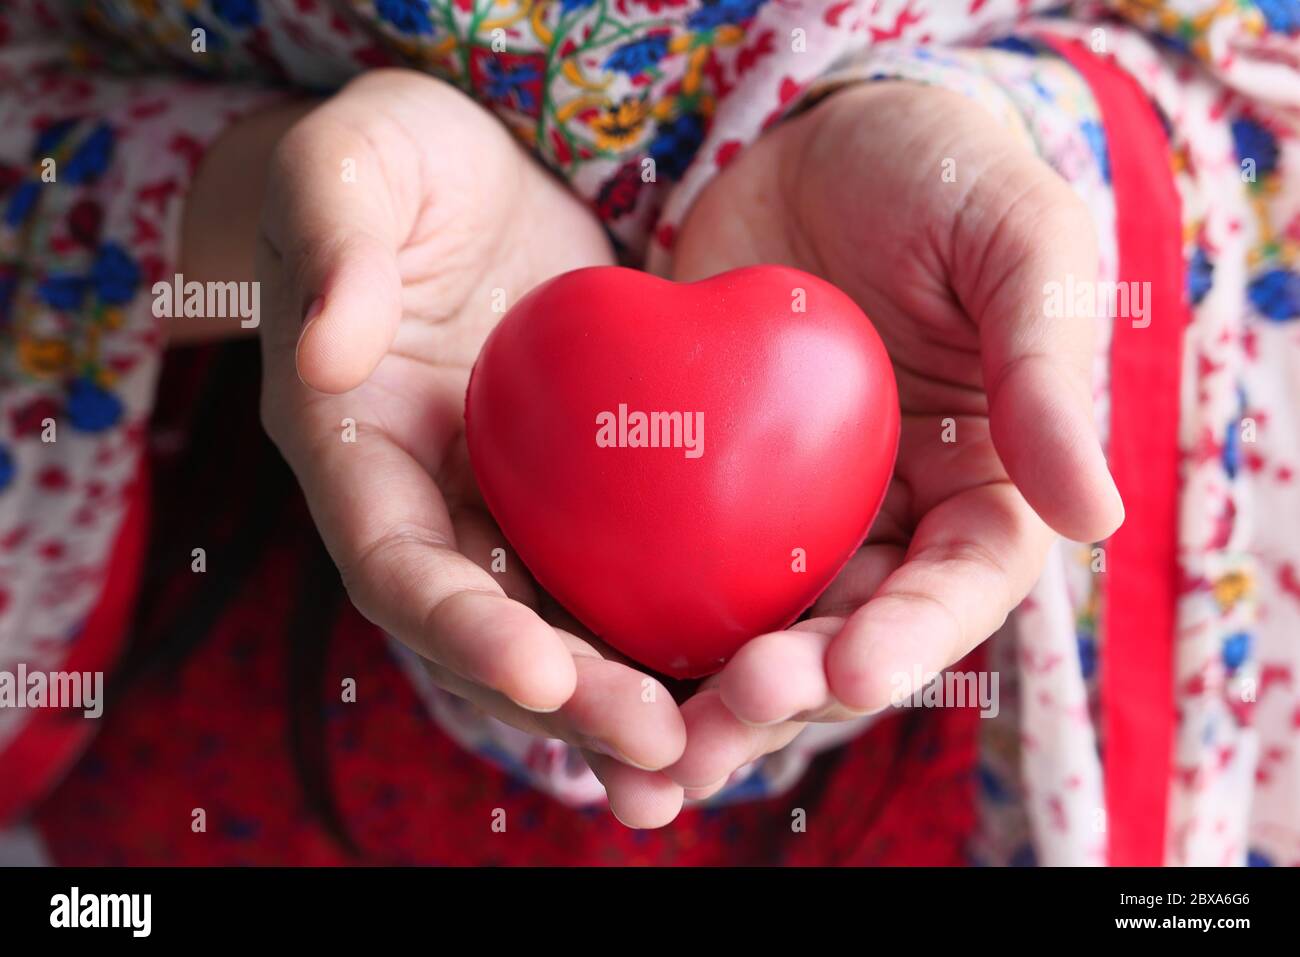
1140, 588
51, 741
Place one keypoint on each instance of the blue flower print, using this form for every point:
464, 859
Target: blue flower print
638, 56
1236, 649
511, 83
1282, 16
718, 13
1232, 448
1096, 137
1015, 45
1256, 143
7, 467
238, 13
114, 275
21, 203
409, 16
1276, 294
1200, 276
49, 138
675, 144
216, 41
62, 291
91, 157
90, 408
991, 785
1087, 645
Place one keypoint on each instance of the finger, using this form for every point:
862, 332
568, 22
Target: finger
639, 799
703, 794
386, 526
485, 636
1024, 230
776, 676
782, 676
717, 743
608, 713
973, 559
336, 224
754, 691
628, 715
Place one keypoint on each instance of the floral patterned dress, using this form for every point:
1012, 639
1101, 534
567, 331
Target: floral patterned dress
637, 103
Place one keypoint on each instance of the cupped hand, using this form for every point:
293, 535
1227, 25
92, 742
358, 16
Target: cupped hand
998, 450
401, 221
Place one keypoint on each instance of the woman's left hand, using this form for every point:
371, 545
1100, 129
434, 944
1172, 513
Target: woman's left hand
952, 274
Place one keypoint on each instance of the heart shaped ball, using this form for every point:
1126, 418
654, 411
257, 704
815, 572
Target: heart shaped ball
683, 466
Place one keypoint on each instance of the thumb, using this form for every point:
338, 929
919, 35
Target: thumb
353, 290
1024, 229
338, 245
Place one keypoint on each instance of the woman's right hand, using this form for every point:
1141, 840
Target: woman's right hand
400, 218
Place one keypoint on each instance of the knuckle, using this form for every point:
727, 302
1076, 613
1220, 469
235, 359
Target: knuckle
294, 145
1070, 216
388, 556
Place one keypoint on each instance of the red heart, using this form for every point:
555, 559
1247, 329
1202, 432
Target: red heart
677, 558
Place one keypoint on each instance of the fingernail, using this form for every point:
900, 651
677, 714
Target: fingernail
867, 712
762, 724
313, 311
709, 789
609, 751
536, 710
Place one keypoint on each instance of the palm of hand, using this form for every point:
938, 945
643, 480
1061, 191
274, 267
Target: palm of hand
445, 223
950, 273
